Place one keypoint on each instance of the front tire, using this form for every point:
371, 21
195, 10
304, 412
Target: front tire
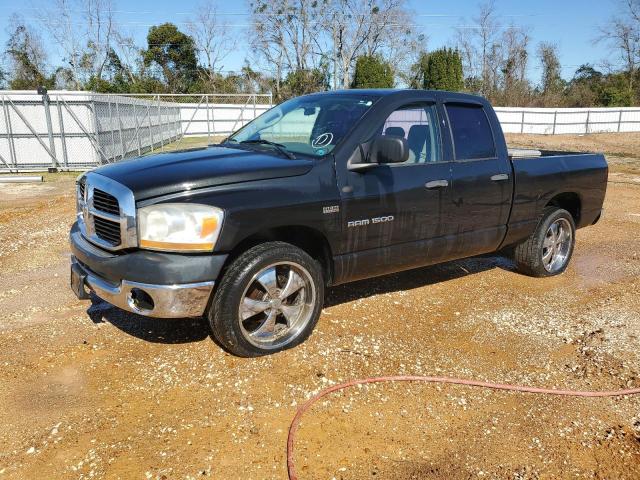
269, 299
548, 249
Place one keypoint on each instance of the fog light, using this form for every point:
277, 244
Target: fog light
140, 301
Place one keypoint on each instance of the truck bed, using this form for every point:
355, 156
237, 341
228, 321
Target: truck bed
540, 174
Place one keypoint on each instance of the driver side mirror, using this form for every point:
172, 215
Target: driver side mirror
389, 149
384, 149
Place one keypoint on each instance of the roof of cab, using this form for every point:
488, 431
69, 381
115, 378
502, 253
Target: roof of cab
384, 92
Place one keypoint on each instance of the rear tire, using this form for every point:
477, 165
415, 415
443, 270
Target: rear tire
269, 300
548, 249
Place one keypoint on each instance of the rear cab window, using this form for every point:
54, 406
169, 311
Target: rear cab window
471, 131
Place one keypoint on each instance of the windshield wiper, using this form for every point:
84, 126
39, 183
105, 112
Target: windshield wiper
278, 146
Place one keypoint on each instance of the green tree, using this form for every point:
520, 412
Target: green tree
444, 71
372, 72
586, 88
174, 53
615, 92
115, 78
418, 71
301, 82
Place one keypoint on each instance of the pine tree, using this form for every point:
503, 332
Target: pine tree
372, 72
444, 71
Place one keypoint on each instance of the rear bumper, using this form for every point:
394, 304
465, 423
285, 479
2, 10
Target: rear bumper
177, 285
162, 301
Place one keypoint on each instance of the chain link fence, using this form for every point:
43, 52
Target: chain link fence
76, 130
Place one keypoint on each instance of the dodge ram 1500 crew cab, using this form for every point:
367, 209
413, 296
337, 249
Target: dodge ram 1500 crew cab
320, 190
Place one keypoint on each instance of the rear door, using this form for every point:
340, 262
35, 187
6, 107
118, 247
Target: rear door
481, 179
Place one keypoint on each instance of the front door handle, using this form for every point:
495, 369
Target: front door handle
501, 177
437, 184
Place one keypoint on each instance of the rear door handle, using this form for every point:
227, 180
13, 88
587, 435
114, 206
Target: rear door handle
437, 184
501, 177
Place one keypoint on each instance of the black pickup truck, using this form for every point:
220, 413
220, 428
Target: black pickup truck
321, 190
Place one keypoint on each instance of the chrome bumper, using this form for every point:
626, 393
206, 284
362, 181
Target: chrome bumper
168, 301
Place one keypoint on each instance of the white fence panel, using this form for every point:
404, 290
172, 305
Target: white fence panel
89, 129
558, 121
217, 118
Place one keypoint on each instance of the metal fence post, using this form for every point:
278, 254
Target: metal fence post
122, 152
208, 127
160, 124
112, 129
522, 123
63, 140
47, 116
555, 118
586, 126
137, 131
150, 130
213, 121
254, 107
619, 120
96, 128
12, 148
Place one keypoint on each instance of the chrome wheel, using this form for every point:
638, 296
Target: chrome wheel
277, 305
556, 246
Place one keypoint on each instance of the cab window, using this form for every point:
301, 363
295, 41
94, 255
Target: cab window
417, 124
471, 131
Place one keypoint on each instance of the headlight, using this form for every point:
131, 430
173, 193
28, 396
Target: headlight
179, 227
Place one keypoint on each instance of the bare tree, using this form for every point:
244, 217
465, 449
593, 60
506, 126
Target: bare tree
293, 35
515, 44
28, 62
100, 35
59, 23
285, 35
623, 35
86, 39
479, 44
552, 85
130, 55
213, 37
368, 27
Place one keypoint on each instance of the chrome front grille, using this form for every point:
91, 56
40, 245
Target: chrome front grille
106, 212
107, 230
105, 202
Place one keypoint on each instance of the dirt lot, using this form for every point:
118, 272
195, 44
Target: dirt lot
88, 391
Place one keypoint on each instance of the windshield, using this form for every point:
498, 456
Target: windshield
311, 125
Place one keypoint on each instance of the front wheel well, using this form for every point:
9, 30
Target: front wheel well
312, 241
568, 201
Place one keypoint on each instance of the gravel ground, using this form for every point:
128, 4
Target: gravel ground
89, 391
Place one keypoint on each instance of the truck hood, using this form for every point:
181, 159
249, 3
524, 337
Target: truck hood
167, 173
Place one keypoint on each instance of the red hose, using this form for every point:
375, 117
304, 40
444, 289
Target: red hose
295, 423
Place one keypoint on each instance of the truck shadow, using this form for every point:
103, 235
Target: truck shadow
154, 330
415, 278
188, 330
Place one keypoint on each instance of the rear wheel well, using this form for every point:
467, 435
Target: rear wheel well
568, 201
308, 239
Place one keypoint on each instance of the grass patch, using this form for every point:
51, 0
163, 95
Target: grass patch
188, 143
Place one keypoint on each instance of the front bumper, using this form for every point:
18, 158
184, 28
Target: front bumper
174, 285
163, 301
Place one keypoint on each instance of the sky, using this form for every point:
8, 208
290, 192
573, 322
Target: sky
571, 24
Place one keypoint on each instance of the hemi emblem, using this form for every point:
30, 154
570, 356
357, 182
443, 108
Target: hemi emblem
331, 209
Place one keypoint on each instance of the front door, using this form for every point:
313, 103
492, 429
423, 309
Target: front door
391, 211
